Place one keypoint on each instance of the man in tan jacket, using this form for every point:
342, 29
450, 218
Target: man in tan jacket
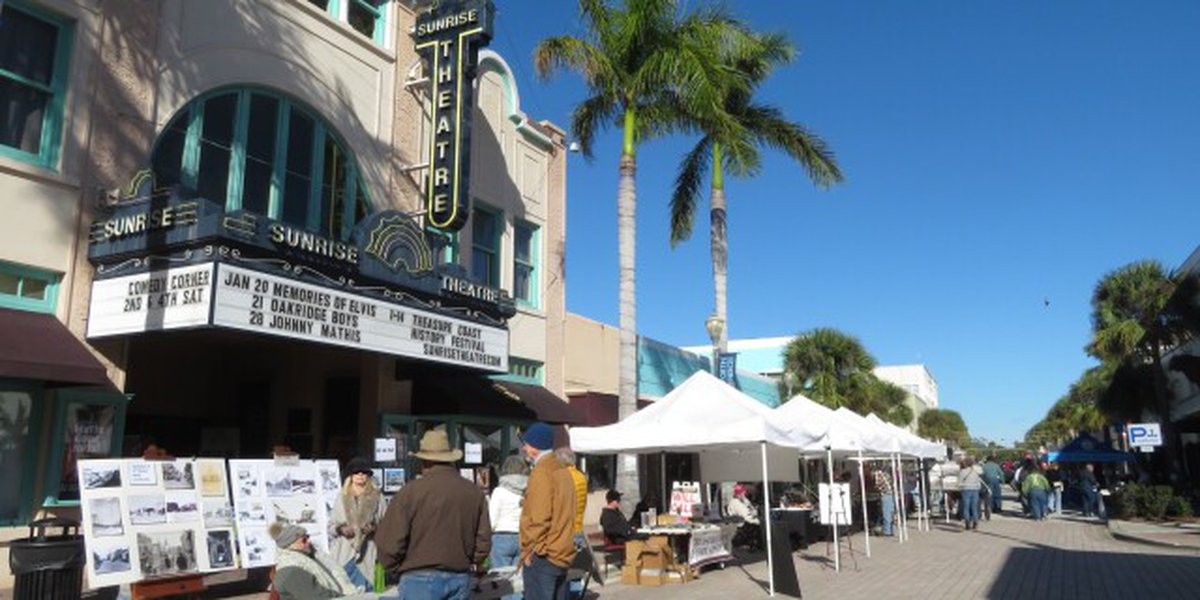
547, 519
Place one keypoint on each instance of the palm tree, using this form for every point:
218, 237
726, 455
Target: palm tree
736, 150
643, 63
828, 366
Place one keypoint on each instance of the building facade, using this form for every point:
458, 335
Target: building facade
225, 234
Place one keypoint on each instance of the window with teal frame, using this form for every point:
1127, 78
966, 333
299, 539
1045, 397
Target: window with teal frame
444, 244
526, 256
26, 288
88, 423
368, 17
523, 370
254, 150
35, 49
486, 226
21, 408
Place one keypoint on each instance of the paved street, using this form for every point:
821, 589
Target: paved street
1007, 557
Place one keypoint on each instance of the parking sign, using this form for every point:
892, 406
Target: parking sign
1145, 434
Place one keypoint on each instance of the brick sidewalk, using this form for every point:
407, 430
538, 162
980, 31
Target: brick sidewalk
1008, 557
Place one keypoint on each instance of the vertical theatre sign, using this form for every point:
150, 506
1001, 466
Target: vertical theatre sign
449, 38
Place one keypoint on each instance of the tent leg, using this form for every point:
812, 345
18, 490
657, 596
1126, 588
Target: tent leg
897, 491
833, 514
767, 520
903, 496
666, 497
922, 491
862, 483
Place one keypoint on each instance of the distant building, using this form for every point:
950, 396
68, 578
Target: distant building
764, 356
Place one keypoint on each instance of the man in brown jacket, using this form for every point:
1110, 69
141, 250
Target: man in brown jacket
547, 519
436, 530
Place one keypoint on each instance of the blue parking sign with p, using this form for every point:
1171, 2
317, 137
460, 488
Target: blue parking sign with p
1145, 434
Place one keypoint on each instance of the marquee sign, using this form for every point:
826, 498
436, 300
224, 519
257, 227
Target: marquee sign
230, 297
449, 38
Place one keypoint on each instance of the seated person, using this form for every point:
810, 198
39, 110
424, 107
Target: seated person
616, 528
750, 533
300, 574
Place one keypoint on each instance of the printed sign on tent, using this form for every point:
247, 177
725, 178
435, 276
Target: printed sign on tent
835, 503
685, 495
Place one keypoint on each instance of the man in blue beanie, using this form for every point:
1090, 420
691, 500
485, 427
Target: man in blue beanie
547, 518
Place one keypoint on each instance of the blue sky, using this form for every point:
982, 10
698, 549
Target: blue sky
998, 154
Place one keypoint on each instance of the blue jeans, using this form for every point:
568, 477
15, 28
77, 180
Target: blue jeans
544, 580
995, 488
970, 505
506, 549
1037, 502
575, 586
1090, 504
1053, 501
428, 584
357, 577
887, 503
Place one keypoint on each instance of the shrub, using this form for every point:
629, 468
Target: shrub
1149, 502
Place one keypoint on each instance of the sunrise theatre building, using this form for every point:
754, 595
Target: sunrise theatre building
233, 225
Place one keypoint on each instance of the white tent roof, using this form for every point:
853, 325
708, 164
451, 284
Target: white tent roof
875, 438
840, 435
909, 443
701, 413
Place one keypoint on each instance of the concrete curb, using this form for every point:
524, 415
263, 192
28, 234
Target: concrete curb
1114, 529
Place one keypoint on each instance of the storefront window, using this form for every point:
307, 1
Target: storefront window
24, 288
257, 151
34, 47
19, 417
88, 424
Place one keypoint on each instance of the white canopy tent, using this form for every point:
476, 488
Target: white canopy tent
730, 430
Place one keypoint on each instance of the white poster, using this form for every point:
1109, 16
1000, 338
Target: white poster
835, 501
685, 495
266, 492
385, 449
145, 519
472, 453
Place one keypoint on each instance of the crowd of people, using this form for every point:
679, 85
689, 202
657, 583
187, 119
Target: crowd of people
440, 530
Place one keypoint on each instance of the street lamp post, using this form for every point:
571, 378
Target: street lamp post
715, 326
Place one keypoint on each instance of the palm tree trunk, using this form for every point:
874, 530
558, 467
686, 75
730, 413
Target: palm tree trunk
627, 392
719, 246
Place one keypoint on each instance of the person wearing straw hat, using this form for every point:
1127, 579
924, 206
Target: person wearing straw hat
436, 530
547, 519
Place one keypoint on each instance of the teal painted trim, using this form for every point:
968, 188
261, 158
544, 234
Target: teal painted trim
492, 60
237, 153
318, 177
48, 304
88, 396
41, 87
334, 8
535, 257
348, 206
190, 172
275, 202
50, 142
28, 477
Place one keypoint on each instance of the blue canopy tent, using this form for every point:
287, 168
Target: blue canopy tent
1087, 449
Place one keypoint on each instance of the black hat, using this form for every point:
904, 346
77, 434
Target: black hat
358, 464
612, 495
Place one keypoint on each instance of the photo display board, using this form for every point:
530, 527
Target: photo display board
295, 493
155, 518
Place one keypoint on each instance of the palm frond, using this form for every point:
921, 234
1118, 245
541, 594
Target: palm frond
804, 146
688, 183
591, 115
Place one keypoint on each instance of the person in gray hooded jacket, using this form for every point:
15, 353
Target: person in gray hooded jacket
504, 511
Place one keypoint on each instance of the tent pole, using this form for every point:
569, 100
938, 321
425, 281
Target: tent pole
896, 492
862, 483
900, 502
666, 497
945, 496
833, 515
767, 520
924, 491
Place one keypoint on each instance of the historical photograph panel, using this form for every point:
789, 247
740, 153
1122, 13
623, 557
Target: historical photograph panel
212, 477
257, 547
106, 517
220, 549
246, 481
100, 475
253, 512
167, 552
330, 483
110, 557
277, 481
178, 475
147, 509
297, 510
142, 473
217, 513
183, 507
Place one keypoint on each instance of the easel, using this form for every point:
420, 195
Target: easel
836, 515
165, 587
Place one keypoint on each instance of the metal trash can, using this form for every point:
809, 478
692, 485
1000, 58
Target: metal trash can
48, 567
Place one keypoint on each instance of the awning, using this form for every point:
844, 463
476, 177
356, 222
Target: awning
464, 394
37, 346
